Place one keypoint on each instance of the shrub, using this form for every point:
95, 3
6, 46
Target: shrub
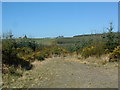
26, 57
39, 56
88, 51
26, 42
47, 52
96, 50
58, 50
25, 50
9, 54
115, 55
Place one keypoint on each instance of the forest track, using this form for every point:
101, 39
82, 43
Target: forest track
67, 73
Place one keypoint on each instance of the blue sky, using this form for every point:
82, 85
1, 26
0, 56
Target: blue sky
61, 18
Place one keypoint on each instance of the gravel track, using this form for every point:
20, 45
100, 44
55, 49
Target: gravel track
67, 73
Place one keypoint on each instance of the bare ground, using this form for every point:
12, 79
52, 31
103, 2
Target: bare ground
67, 72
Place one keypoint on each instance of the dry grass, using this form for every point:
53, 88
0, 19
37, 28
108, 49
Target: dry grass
100, 61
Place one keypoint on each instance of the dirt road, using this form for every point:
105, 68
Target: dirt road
67, 73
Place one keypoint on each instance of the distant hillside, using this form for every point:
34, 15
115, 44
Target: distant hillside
65, 41
80, 40
88, 35
100, 34
45, 41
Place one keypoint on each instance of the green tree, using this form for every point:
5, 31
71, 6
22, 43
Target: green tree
110, 38
8, 49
